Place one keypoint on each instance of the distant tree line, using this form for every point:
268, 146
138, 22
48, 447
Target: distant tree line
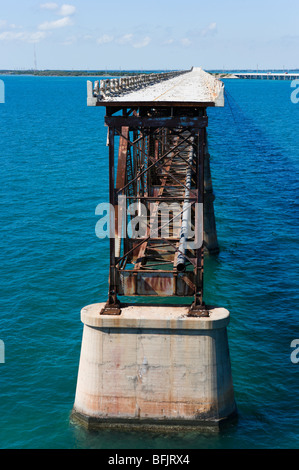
71, 73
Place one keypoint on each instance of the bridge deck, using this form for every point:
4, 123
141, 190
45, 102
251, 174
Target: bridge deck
193, 88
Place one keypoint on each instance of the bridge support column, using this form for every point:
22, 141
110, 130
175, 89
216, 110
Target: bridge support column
154, 366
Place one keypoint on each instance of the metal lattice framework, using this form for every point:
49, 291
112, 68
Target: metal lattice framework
160, 183
160, 166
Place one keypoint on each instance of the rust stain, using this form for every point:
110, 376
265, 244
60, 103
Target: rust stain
159, 284
116, 406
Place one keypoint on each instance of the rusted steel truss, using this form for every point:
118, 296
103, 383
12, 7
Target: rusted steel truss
160, 160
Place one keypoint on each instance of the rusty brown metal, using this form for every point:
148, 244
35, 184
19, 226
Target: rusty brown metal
160, 193
113, 304
153, 173
155, 283
120, 181
155, 163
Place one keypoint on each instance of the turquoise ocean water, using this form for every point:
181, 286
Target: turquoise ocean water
54, 172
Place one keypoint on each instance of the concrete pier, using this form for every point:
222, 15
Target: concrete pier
154, 366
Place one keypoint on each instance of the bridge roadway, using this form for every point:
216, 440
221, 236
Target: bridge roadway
184, 88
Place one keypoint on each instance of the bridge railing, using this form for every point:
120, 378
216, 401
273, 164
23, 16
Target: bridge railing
215, 87
113, 87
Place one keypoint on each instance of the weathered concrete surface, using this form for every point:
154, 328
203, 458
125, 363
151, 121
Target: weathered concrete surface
154, 365
196, 86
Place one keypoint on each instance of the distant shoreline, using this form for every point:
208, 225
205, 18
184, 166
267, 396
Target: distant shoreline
113, 73
67, 73
75, 73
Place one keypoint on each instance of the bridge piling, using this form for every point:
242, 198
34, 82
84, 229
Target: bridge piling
154, 368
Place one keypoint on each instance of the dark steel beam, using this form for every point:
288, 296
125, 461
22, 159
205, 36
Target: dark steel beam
167, 122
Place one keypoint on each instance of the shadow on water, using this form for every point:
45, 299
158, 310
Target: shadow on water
253, 137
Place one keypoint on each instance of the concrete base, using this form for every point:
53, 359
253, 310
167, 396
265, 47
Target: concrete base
154, 366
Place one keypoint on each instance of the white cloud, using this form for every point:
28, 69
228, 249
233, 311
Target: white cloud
69, 41
143, 43
36, 37
125, 39
209, 30
64, 10
49, 25
49, 6
25, 36
10, 35
105, 39
4, 25
185, 42
168, 41
67, 10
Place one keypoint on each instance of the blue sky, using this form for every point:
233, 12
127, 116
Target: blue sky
152, 34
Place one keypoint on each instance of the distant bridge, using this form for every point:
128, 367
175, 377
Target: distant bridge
268, 75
